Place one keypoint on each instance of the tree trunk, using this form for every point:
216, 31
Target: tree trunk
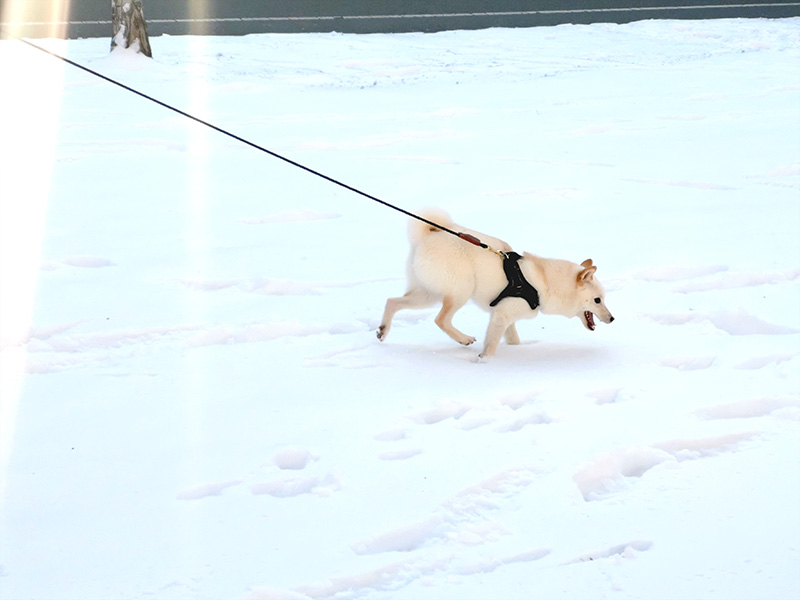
128, 26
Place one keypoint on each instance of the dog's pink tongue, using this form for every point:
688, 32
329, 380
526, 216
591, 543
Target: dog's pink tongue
589, 319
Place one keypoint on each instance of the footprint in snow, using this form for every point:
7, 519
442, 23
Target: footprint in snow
534, 418
753, 408
628, 550
396, 435
462, 519
607, 396
291, 458
616, 471
733, 322
447, 409
400, 454
517, 400
391, 435
759, 362
288, 487
206, 490
689, 363
613, 472
489, 565
82, 262
692, 449
296, 458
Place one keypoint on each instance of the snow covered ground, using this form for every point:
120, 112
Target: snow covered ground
204, 410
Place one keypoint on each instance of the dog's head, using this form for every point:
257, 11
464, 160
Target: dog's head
591, 296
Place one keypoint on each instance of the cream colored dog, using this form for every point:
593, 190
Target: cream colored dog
443, 268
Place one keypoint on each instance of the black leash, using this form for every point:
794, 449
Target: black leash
464, 236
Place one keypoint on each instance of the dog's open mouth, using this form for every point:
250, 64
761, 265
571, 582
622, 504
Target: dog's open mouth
589, 320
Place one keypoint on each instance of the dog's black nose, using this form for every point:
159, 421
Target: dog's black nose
611, 320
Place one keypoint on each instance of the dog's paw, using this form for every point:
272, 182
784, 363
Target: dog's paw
467, 340
381, 333
481, 358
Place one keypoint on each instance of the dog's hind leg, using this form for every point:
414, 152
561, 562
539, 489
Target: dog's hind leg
511, 335
499, 325
445, 320
413, 298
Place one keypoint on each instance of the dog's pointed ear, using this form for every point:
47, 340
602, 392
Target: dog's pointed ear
588, 271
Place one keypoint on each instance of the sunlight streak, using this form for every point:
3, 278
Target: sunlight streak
29, 117
196, 205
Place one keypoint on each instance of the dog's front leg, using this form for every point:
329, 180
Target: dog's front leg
499, 323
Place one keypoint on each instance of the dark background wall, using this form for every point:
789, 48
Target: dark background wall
92, 18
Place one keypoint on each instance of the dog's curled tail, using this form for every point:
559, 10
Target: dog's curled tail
419, 229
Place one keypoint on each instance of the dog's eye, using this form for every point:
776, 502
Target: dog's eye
597, 300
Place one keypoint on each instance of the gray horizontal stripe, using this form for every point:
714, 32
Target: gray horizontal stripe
432, 15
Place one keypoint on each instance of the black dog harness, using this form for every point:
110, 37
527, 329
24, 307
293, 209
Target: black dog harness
518, 286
